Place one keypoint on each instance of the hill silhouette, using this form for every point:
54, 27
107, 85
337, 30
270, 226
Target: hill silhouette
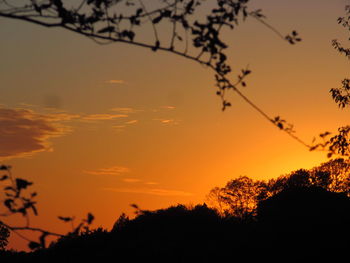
305, 219
306, 212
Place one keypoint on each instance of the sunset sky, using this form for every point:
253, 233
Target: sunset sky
100, 127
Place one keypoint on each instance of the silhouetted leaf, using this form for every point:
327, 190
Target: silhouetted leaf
8, 203
157, 19
65, 219
5, 167
90, 218
4, 177
134, 206
22, 184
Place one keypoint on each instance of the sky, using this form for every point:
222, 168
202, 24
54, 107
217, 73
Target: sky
100, 127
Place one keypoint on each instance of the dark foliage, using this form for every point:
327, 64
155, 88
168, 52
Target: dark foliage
304, 212
307, 220
345, 22
305, 209
310, 220
4, 235
17, 200
240, 196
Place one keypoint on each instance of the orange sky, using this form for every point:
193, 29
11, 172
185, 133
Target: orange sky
98, 128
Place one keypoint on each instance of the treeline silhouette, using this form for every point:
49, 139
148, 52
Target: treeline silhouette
303, 213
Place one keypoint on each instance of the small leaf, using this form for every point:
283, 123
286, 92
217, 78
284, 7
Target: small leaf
157, 19
8, 203
134, 206
65, 219
4, 177
246, 72
22, 184
90, 218
5, 167
139, 11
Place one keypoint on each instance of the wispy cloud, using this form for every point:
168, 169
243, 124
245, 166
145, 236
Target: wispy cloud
125, 110
131, 180
24, 132
114, 170
115, 81
122, 126
168, 107
119, 127
105, 116
151, 183
164, 108
63, 116
167, 121
152, 191
132, 122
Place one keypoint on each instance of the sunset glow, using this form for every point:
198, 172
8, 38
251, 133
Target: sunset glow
100, 127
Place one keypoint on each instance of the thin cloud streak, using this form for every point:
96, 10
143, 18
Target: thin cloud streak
114, 170
125, 110
168, 107
106, 116
115, 81
131, 180
132, 122
151, 183
167, 121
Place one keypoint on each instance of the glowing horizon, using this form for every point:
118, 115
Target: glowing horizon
97, 128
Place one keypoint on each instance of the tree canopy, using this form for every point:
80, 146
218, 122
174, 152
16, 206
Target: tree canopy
240, 196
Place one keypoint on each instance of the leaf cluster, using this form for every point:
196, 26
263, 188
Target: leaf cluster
17, 201
336, 145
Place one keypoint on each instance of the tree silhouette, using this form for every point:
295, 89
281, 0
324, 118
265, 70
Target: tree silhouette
193, 37
310, 216
306, 211
240, 196
174, 234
